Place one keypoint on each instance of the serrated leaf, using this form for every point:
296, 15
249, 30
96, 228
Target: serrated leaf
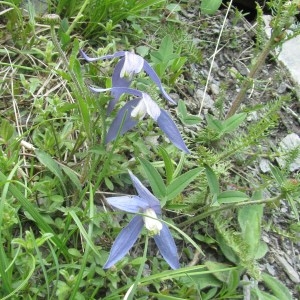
154, 178
232, 197
180, 183
277, 287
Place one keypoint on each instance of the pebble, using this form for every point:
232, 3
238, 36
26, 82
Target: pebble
215, 89
208, 102
264, 165
289, 143
271, 270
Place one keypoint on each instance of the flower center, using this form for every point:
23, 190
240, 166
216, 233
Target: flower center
153, 225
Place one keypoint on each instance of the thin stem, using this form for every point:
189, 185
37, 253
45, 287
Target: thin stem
130, 293
65, 61
228, 206
248, 81
79, 15
214, 56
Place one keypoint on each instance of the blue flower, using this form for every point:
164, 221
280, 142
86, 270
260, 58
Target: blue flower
148, 205
135, 110
129, 65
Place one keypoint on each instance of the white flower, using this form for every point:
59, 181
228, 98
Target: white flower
153, 225
146, 105
133, 64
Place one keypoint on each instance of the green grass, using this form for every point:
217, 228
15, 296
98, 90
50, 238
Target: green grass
56, 170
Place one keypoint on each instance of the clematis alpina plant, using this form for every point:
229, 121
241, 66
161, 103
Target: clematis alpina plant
129, 65
148, 205
135, 110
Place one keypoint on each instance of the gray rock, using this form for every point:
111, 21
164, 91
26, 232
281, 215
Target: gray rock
208, 102
289, 143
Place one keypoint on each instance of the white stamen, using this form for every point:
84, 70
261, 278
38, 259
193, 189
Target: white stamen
153, 225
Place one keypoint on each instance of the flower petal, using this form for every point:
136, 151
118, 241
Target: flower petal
152, 74
124, 241
143, 192
133, 64
90, 59
152, 108
117, 81
168, 126
167, 247
124, 112
139, 112
131, 204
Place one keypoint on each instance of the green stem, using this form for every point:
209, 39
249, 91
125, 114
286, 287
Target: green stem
133, 288
65, 61
79, 15
249, 80
227, 206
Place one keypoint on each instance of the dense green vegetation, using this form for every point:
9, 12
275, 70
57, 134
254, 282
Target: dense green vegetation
58, 173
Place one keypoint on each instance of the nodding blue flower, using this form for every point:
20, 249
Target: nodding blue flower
129, 65
148, 205
135, 110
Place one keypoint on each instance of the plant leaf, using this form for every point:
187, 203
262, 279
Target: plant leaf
209, 7
232, 197
249, 218
212, 179
277, 287
154, 178
233, 122
169, 167
180, 183
214, 124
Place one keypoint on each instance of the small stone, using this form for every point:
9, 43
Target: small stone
271, 269
264, 165
208, 102
252, 116
215, 89
289, 143
282, 88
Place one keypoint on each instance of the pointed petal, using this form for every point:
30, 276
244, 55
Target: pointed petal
131, 204
144, 193
90, 59
152, 108
167, 247
124, 241
128, 121
99, 90
152, 74
117, 81
168, 126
